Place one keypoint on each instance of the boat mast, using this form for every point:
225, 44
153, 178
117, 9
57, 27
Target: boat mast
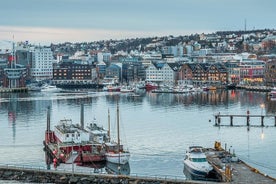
118, 127
108, 133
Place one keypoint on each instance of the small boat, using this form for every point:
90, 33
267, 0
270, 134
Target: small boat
272, 93
205, 88
50, 88
126, 89
115, 152
212, 87
34, 88
151, 86
196, 165
230, 86
112, 88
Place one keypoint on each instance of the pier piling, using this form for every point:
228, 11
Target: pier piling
247, 116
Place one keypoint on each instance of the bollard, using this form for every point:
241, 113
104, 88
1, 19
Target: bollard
247, 120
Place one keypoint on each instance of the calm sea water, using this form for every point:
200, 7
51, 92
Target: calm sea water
156, 128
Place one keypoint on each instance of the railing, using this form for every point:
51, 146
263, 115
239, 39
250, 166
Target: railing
87, 171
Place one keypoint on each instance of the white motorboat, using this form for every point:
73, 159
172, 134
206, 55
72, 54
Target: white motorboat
49, 88
196, 164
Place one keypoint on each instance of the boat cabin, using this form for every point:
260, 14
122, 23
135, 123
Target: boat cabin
67, 132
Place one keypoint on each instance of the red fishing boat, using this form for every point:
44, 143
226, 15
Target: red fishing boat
72, 143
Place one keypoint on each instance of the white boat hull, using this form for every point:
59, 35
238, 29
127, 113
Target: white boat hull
197, 171
118, 158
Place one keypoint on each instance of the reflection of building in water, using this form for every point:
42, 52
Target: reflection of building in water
198, 98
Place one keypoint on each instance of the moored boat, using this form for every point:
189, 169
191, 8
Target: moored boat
230, 86
71, 143
272, 93
111, 88
115, 152
151, 86
50, 88
196, 165
126, 89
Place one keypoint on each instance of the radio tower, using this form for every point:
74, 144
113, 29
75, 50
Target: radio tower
244, 24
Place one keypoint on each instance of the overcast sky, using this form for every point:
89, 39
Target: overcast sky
46, 21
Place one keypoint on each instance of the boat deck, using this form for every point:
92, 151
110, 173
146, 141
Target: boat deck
234, 171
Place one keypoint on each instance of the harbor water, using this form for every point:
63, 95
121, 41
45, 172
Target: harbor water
157, 128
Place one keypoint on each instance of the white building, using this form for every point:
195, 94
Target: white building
42, 63
162, 72
176, 51
104, 57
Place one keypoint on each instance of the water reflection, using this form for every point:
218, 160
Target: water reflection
23, 119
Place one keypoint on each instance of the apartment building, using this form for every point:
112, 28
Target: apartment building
42, 63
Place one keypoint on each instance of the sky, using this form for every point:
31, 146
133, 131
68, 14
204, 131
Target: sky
57, 21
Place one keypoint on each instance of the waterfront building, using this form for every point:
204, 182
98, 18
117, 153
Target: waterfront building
233, 71
114, 71
200, 73
270, 73
162, 72
252, 71
14, 74
42, 63
217, 73
3, 64
101, 69
133, 71
24, 58
72, 70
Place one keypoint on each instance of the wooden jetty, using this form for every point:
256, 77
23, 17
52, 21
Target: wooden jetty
231, 169
247, 116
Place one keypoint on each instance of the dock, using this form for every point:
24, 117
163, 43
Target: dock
231, 169
247, 117
13, 90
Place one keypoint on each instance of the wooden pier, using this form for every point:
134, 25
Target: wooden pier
247, 117
231, 169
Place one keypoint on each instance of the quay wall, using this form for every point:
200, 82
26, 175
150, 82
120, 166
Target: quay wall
32, 175
13, 90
